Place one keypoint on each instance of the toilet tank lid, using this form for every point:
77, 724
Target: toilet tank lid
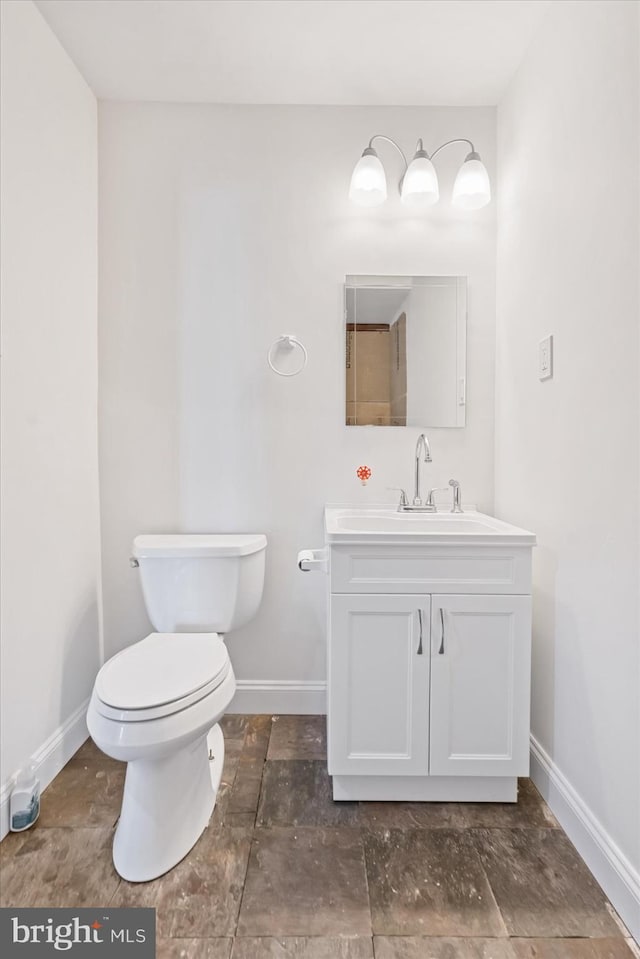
167, 545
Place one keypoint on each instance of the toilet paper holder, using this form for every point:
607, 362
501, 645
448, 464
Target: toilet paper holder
313, 559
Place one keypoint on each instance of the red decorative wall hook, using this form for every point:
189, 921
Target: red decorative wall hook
363, 473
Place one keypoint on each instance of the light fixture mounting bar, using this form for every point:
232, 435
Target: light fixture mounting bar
448, 142
381, 136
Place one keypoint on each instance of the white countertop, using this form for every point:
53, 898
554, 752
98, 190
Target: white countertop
385, 524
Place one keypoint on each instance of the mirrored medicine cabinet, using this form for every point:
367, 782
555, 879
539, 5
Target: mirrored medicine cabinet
405, 350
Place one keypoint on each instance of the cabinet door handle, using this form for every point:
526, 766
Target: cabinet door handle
441, 650
420, 625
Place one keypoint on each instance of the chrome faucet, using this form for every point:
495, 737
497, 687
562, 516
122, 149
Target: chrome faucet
422, 446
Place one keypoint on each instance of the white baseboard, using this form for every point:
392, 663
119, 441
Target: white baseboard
617, 876
50, 758
283, 697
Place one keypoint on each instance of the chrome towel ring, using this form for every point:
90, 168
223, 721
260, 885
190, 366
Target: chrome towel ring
287, 342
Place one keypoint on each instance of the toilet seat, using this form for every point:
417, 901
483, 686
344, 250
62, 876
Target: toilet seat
161, 675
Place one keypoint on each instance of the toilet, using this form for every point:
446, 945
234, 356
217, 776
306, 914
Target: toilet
156, 705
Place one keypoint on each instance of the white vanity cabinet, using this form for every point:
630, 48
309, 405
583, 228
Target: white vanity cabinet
429, 651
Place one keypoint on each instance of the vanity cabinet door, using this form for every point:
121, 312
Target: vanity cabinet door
378, 702
480, 669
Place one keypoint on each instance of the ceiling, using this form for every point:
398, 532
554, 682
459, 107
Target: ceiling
379, 52
374, 306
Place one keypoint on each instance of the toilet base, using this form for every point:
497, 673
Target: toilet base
167, 804
215, 754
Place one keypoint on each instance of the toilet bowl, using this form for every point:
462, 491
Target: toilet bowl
156, 705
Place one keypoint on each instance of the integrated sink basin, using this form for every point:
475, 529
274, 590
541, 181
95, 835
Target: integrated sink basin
388, 525
405, 524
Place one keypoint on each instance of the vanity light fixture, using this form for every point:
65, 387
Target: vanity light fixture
419, 182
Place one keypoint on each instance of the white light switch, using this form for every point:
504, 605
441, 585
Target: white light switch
545, 358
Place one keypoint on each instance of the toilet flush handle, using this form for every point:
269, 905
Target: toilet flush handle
133, 562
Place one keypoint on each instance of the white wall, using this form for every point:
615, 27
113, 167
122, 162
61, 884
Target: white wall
50, 539
220, 228
567, 449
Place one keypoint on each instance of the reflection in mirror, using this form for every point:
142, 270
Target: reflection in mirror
406, 350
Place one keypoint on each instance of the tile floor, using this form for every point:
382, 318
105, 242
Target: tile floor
282, 872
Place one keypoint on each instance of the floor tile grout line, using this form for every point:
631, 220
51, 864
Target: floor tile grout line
481, 938
115, 893
255, 818
489, 886
261, 770
264, 764
246, 872
366, 879
546, 833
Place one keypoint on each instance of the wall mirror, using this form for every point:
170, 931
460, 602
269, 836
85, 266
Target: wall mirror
406, 350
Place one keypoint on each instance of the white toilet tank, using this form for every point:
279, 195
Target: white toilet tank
201, 583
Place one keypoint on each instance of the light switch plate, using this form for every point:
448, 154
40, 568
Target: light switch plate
545, 358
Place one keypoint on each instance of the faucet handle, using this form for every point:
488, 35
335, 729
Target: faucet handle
403, 496
455, 485
429, 500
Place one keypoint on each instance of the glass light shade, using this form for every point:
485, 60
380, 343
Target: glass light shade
420, 183
472, 188
368, 181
